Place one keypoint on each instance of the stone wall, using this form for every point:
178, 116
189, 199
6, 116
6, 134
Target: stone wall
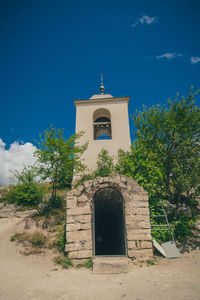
79, 217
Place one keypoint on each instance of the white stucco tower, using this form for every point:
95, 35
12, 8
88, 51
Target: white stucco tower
105, 122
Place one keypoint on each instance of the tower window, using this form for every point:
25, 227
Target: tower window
102, 124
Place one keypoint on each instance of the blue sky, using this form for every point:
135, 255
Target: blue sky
53, 52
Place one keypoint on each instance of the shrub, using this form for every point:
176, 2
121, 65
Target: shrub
20, 237
150, 262
38, 239
60, 241
88, 264
183, 227
65, 262
26, 192
56, 202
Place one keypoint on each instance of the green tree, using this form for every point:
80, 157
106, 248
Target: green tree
165, 160
25, 189
105, 164
169, 137
141, 165
59, 159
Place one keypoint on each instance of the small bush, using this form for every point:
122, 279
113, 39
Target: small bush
20, 237
88, 264
60, 241
38, 239
56, 202
183, 227
26, 191
12, 238
65, 262
150, 262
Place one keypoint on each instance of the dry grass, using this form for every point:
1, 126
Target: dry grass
34, 243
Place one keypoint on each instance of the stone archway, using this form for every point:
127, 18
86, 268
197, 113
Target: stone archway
80, 237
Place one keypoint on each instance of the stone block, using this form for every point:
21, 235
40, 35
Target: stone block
144, 224
70, 219
78, 246
80, 254
84, 218
71, 193
122, 185
123, 179
143, 253
143, 234
136, 204
87, 184
106, 179
79, 211
71, 203
82, 204
132, 245
83, 198
78, 226
94, 182
137, 211
79, 190
86, 226
100, 179
111, 265
140, 197
134, 188
132, 219
82, 235
146, 245
74, 227
137, 224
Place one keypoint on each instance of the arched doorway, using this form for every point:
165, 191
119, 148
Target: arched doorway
108, 223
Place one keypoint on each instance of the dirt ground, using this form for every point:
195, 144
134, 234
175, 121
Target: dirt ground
36, 277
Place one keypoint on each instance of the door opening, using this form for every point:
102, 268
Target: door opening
108, 223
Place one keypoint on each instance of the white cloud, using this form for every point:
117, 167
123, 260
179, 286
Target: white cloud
14, 158
195, 60
2, 144
167, 55
145, 20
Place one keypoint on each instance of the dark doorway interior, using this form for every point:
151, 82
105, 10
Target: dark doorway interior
109, 229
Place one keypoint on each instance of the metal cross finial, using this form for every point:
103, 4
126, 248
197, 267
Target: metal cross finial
102, 86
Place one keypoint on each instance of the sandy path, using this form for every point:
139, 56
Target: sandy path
35, 277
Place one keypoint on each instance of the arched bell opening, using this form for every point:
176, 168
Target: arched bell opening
109, 236
102, 124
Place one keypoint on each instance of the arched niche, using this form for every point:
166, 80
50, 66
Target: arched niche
102, 124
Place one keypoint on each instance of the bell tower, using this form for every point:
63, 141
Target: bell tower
105, 122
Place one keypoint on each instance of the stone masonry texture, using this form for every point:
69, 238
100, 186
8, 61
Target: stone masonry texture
79, 237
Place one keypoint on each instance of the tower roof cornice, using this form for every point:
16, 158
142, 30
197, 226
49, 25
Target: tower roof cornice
102, 100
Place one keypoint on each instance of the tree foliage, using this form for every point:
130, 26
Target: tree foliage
59, 159
141, 165
166, 153
105, 164
165, 157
